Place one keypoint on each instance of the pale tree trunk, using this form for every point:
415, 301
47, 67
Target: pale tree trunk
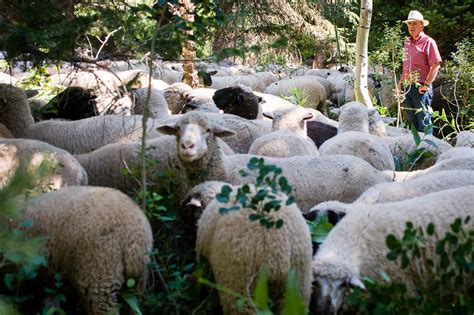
188, 51
362, 56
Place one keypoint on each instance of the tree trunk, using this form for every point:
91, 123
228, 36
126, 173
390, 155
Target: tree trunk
188, 52
362, 58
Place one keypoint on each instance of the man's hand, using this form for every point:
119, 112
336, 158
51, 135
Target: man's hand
422, 89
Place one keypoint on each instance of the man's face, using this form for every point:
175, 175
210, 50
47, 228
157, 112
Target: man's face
415, 28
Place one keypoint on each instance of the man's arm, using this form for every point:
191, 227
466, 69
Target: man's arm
434, 69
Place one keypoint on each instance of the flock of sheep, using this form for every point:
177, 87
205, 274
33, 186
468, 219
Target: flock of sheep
98, 238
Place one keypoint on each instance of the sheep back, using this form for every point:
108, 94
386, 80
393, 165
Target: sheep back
97, 237
239, 249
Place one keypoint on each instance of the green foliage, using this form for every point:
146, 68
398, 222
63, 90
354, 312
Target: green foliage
269, 183
38, 31
297, 97
389, 53
319, 228
420, 153
21, 256
443, 274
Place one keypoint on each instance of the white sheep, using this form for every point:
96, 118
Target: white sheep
288, 137
353, 116
272, 102
355, 248
238, 250
465, 139
157, 105
456, 152
313, 91
252, 81
313, 178
404, 146
455, 163
422, 185
30, 155
74, 136
7, 79
97, 238
363, 145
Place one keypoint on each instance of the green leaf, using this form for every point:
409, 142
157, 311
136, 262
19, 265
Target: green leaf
130, 283
416, 135
290, 201
132, 302
431, 229
254, 217
321, 231
261, 295
9, 279
293, 302
279, 223
392, 242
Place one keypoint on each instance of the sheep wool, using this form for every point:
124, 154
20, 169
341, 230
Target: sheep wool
313, 91
77, 137
30, 154
355, 248
465, 139
97, 238
4, 132
238, 250
157, 106
314, 178
422, 185
363, 145
353, 116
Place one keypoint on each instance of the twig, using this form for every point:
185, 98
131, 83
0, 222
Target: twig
105, 41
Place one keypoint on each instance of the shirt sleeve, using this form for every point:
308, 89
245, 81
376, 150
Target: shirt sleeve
434, 57
405, 56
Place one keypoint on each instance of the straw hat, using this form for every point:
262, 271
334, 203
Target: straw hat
416, 16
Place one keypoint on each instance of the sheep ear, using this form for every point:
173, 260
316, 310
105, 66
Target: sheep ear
371, 111
356, 283
308, 116
336, 111
168, 129
222, 132
270, 115
194, 202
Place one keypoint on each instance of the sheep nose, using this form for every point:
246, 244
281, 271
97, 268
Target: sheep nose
187, 145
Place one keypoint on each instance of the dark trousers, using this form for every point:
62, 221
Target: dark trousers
419, 107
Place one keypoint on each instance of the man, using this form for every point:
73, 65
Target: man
421, 64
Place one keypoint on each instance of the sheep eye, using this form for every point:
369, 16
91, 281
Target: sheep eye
208, 130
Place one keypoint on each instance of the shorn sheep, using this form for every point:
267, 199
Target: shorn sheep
97, 238
77, 137
238, 250
29, 155
314, 178
355, 248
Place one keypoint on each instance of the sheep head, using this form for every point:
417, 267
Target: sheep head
193, 134
293, 119
329, 293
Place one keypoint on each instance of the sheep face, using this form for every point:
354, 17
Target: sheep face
329, 294
193, 133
